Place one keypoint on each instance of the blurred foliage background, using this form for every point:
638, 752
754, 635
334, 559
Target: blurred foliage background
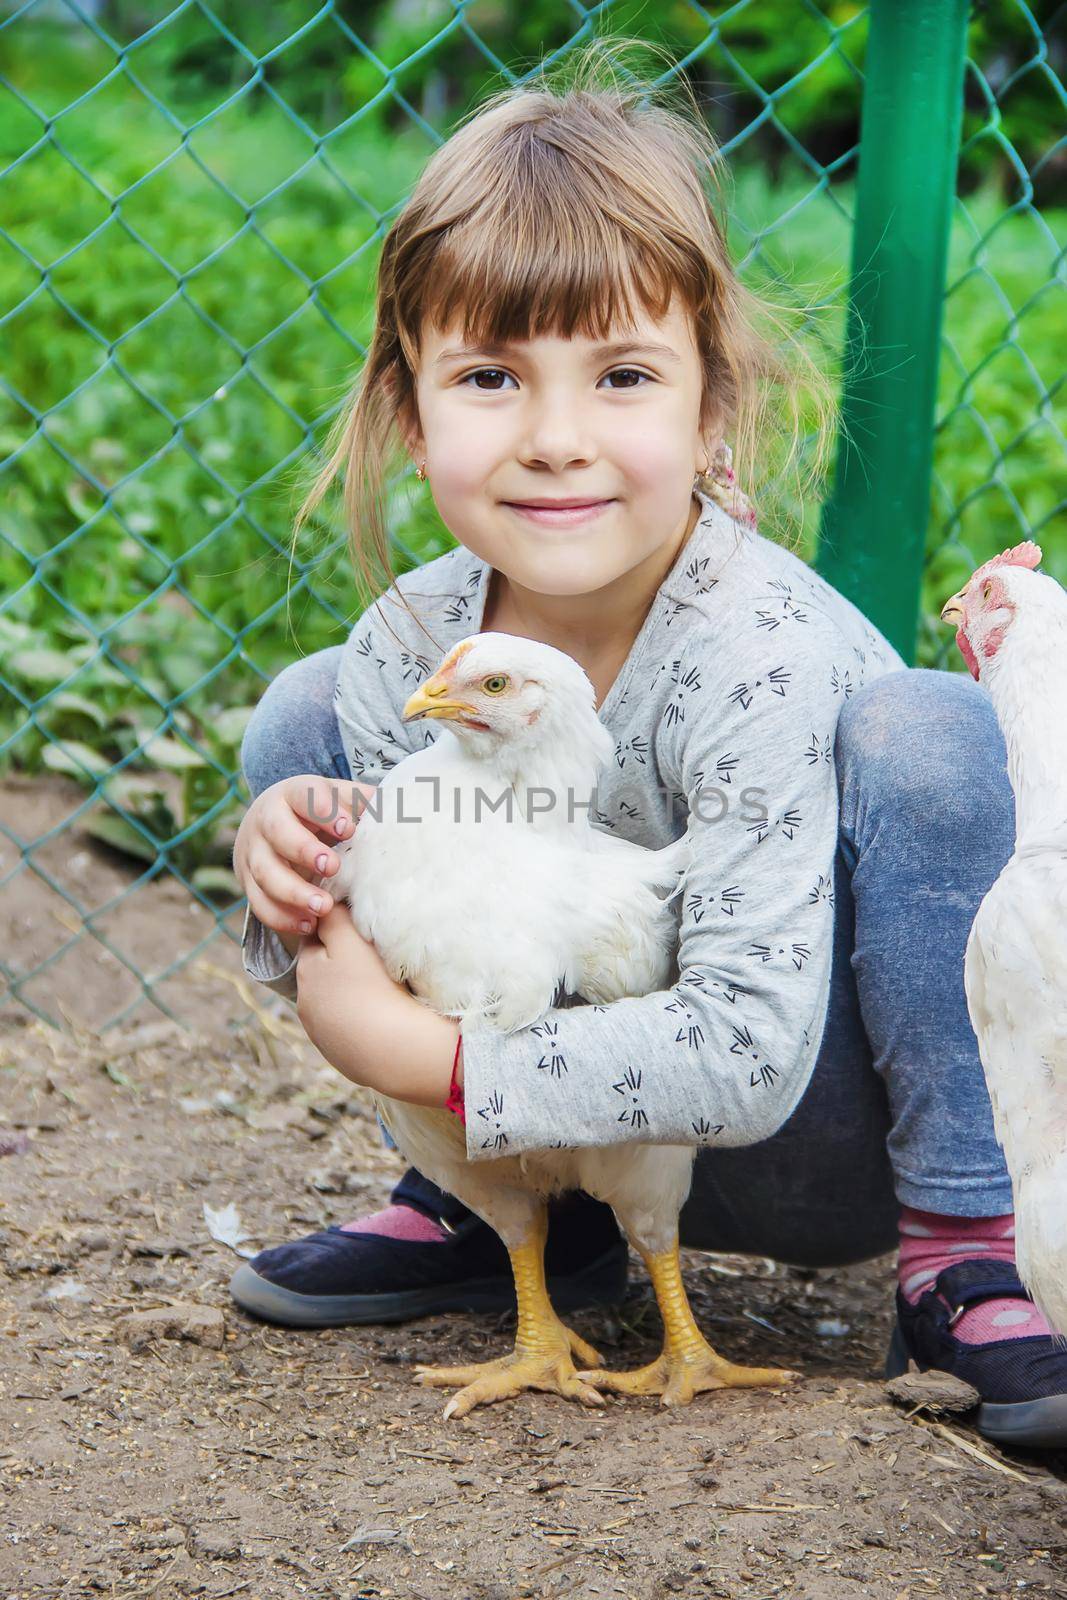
191, 203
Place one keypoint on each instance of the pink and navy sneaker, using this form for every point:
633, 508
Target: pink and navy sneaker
426, 1253
1022, 1380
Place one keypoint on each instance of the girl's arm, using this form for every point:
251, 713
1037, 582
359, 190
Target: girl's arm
724, 1054
369, 1027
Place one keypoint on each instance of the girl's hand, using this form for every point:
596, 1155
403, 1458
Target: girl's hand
339, 976
283, 842
368, 1026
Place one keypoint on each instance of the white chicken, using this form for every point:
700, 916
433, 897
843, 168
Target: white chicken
478, 877
1012, 632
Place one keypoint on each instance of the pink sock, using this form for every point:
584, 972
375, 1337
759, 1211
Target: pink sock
398, 1222
930, 1242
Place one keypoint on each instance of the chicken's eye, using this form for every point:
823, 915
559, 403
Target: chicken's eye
496, 684
987, 590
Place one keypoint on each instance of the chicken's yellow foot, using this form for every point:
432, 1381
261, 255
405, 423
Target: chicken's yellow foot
688, 1364
544, 1353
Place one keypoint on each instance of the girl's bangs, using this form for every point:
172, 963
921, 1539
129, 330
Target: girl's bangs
521, 280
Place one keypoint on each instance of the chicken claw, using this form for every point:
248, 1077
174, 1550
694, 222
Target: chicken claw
687, 1364
545, 1363
679, 1375
545, 1348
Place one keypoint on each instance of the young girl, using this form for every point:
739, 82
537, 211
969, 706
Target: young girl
562, 345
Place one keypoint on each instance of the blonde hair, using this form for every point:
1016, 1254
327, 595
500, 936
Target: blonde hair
545, 212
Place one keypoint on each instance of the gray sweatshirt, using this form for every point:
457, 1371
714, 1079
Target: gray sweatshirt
726, 706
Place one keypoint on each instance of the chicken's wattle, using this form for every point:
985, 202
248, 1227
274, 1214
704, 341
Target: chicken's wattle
967, 653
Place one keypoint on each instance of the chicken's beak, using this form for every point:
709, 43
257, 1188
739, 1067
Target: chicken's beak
431, 700
952, 611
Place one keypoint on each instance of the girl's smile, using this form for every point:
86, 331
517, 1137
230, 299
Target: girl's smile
562, 514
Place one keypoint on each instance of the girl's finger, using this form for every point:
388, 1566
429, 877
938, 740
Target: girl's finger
326, 804
285, 887
289, 838
281, 918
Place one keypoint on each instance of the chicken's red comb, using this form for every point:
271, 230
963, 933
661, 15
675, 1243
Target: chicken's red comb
1027, 554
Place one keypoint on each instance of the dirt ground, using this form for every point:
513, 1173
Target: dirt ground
247, 1459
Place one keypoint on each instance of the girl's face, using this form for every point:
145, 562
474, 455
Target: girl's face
614, 427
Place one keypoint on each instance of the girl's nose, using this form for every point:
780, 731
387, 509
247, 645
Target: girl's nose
556, 432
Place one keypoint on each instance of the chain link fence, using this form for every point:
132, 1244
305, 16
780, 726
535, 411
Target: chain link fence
191, 202
999, 444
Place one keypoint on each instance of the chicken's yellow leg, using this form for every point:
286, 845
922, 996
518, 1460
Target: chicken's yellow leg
543, 1357
687, 1364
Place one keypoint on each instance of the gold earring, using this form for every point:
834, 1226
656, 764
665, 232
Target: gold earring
420, 473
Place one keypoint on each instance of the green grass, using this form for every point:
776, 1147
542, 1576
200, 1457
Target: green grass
164, 365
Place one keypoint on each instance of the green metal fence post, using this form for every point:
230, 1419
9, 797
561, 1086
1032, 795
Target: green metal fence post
873, 533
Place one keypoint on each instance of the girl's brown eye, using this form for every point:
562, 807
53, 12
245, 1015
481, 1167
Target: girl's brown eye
496, 372
496, 684
631, 372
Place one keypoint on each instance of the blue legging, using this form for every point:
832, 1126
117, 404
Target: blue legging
897, 1108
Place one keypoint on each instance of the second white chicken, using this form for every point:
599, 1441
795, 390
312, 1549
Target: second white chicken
1011, 628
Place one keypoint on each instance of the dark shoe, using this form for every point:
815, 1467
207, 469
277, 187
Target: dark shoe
332, 1278
1022, 1382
